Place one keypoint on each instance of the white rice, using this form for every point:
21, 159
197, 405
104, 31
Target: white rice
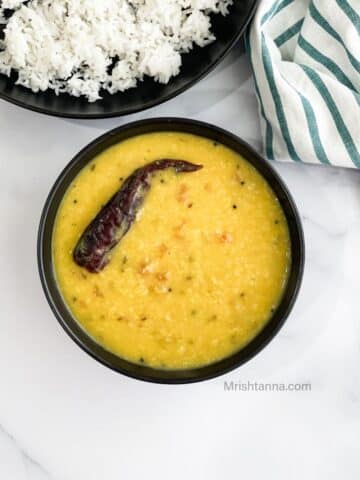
83, 46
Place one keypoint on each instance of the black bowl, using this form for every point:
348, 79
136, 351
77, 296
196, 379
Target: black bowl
61, 310
196, 64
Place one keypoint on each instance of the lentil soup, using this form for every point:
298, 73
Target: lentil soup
203, 266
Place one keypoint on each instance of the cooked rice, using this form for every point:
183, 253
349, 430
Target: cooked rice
83, 46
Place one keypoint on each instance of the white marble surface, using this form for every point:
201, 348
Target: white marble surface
65, 417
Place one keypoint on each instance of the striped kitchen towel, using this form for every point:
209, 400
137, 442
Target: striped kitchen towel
305, 56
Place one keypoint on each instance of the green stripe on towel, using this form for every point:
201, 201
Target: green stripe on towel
312, 126
284, 129
326, 62
336, 115
352, 15
314, 130
289, 33
268, 131
275, 9
325, 25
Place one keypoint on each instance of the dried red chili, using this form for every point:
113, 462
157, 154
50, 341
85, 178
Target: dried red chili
116, 217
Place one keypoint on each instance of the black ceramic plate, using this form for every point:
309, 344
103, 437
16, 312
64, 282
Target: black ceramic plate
63, 314
195, 65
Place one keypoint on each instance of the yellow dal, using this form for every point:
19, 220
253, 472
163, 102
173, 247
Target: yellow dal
200, 271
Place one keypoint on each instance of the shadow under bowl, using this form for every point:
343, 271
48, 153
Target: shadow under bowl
62, 312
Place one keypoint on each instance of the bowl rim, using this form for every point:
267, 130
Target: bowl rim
86, 343
132, 110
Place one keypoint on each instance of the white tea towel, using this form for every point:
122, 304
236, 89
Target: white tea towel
305, 56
